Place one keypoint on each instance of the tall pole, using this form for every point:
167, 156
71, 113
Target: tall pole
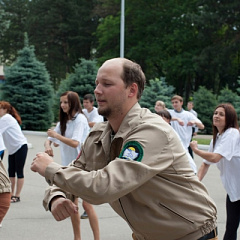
122, 29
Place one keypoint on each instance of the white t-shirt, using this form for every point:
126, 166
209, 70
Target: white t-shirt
195, 114
12, 134
190, 159
2, 146
93, 116
228, 145
184, 132
78, 130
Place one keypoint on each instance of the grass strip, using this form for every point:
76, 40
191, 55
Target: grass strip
202, 141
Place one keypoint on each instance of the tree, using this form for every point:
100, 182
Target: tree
29, 90
228, 96
4, 23
82, 81
15, 14
218, 27
204, 104
156, 89
163, 47
62, 32
191, 43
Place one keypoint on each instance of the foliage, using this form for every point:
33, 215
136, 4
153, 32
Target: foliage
61, 31
156, 89
15, 15
4, 24
82, 81
228, 96
218, 26
204, 104
191, 43
65, 33
163, 47
28, 89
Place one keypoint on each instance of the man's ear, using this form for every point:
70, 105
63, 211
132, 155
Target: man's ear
133, 90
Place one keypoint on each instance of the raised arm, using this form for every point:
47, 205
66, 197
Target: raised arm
70, 142
198, 124
48, 148
209, 156
180, 121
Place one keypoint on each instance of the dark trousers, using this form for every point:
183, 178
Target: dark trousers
16, 162
233, 218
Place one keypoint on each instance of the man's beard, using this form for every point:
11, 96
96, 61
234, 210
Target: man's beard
105, 112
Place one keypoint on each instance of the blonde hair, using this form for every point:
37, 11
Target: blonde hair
161, 103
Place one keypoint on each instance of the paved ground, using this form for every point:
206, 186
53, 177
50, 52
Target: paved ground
28, 220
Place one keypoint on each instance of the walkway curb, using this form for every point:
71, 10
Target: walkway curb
203, 147
35, 133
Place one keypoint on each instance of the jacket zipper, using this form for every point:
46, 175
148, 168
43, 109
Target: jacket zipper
125, 213
169, 209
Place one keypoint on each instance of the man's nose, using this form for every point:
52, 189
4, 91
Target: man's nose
97, 89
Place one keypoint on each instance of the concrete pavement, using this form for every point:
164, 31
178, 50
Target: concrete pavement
28, 220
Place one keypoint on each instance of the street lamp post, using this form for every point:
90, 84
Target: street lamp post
122, 29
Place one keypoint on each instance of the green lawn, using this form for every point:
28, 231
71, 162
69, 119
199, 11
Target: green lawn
202, 141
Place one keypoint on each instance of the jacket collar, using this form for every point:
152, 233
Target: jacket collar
129, 121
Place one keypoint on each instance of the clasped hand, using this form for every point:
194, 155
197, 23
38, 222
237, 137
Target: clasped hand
51, 133
194, 145
191, 123
62, 208
40, 163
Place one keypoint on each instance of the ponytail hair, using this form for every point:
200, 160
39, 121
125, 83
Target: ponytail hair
11, 110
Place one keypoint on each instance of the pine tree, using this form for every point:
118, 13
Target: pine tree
228, 96
157, 89
204, 104
82, 81
28, 89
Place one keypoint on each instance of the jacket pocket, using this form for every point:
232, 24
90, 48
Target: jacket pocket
176, 213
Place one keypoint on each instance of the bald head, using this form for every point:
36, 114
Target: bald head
131, 72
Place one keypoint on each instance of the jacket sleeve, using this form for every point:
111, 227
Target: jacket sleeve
117, 179
120, 176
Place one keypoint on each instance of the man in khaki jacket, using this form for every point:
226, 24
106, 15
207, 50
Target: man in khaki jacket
135, 162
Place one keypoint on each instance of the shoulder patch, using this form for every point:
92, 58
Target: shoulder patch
132, 151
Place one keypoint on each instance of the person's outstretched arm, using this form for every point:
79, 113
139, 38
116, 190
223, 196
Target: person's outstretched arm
209, 156
48, 148
203, 171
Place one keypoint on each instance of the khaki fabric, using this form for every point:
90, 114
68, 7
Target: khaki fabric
143, 173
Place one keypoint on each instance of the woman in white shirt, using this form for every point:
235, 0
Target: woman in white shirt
70, 133
16, 144
225, 152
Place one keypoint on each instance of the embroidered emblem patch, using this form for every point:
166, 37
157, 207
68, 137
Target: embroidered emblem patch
132, 151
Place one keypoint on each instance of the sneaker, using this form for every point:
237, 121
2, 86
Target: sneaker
84, 215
